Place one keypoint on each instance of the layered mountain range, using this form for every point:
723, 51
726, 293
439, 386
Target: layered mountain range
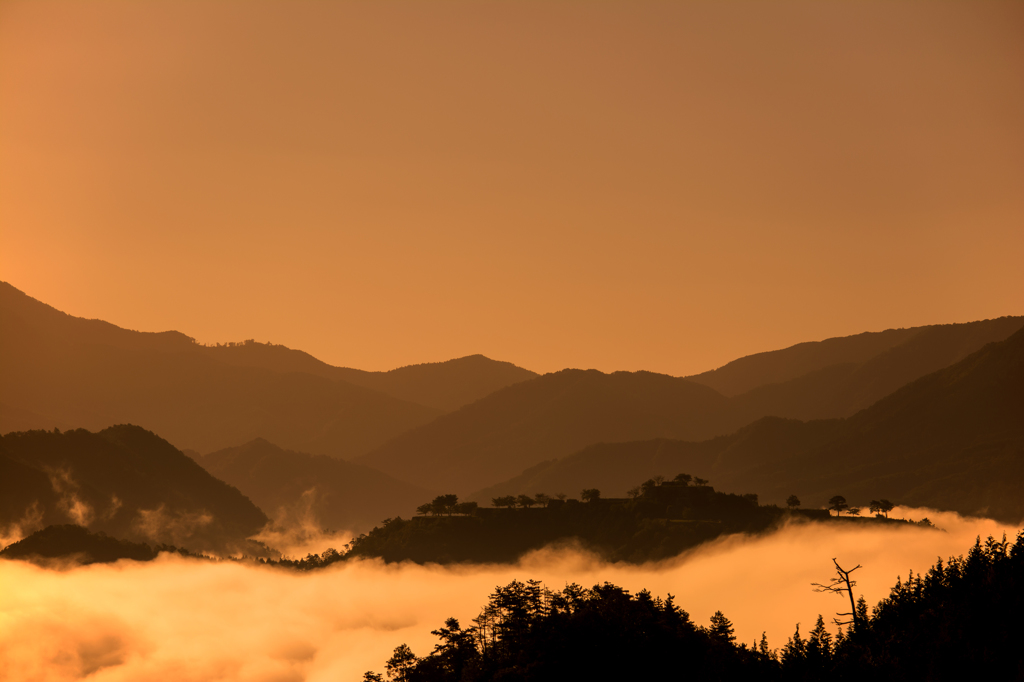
68, 372
953, 439
556, 414
927, 415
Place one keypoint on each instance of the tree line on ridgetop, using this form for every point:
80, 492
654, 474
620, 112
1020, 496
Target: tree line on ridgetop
958, 621
132, 484
660, 519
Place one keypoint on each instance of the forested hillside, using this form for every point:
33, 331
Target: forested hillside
124, 481
958, 622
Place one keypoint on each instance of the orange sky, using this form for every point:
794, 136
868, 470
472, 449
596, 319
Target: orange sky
629, 185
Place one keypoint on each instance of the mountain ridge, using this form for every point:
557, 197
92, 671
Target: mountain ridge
123, 480
555, 416
953, 439
64, 371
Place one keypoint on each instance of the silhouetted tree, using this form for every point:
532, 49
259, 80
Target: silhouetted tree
862, 610
700, 481
525, 501
466, 508
793, 501
658, 479
426, 508
795, 650
721, 628
542, 499
853, 511
819, 645
837, 504
590, 494
839, 585
445, 503
504, 501
561, 496
400, 663
455, 650
633, 492
881, 507
648, 486
764, 650
685, 479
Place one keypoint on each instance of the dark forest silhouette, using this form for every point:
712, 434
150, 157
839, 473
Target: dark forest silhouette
959, 621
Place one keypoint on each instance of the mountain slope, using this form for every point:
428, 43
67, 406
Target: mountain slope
612, 468
443, 386
843, 389
543, 418
953, 439
886, 360
296, 487
778, 366
59, 369
124, 481
557, 414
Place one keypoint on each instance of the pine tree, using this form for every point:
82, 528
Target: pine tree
721, 628
795, 651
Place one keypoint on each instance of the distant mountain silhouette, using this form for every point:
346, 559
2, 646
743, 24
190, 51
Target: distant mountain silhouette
953, 439
443, 386
856, 370
546, 417
124, 481
332, 493
70, 372
64, 371
841, 390
557, 414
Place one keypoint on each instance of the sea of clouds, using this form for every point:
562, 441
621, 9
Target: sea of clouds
185, 619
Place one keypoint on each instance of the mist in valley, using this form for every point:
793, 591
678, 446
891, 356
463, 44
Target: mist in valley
186, 619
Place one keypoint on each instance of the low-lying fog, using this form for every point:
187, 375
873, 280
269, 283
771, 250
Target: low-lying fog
192, 620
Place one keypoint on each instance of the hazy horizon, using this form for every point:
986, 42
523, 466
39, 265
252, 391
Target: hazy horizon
501, 359
620, 186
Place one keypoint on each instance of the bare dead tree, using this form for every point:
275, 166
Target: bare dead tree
838, 585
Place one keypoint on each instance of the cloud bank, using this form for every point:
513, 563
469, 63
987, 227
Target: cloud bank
189, 620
